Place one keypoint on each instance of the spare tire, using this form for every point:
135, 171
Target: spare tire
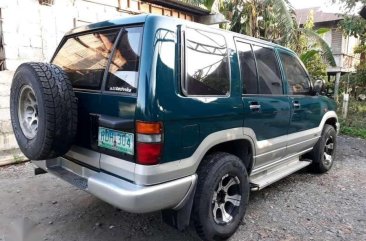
43, 110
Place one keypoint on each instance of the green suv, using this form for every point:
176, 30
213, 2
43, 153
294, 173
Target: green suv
153, 113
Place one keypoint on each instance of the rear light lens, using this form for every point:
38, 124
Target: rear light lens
148, 154
149, 142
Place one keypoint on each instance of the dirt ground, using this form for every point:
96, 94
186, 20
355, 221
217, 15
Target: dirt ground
302, 206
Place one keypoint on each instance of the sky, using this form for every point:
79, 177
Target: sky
326, 5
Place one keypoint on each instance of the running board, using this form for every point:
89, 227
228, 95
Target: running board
269, 176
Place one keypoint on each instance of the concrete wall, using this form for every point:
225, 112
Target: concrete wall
9, 152
32, 31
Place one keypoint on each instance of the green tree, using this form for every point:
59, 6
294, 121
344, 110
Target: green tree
354, 25
205, 3
310, 49
273, 20
350, 5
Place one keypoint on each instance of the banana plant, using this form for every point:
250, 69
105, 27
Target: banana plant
273, 20
315, 37
208, 4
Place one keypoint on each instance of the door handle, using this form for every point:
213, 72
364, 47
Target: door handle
296, 104
254, 106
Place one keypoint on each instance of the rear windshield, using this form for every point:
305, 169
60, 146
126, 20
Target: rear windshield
86, 57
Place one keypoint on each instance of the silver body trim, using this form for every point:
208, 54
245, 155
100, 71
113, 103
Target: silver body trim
123, 194
283, 146
301, 142
118, 166
84, 155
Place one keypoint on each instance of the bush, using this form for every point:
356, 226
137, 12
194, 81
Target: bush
355, 123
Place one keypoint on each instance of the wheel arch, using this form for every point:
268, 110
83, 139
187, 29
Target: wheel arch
333, 122
242, 148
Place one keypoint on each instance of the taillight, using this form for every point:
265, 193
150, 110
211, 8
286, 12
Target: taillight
149, 142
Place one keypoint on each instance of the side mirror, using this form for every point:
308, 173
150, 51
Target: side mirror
319, 87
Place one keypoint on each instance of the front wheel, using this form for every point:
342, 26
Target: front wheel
323, 153
221, 197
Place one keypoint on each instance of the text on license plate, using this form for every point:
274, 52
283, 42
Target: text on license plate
116, 140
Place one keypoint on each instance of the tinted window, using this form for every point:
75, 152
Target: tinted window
123, 71
248, 69
297, 77
269, 78
206, 64
85, 57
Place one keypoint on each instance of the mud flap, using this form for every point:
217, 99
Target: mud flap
180, 219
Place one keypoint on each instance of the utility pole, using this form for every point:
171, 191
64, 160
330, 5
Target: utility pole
346, 100
336, 86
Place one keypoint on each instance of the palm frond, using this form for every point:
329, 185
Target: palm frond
284, 15
193, 2
322, 31
326, 50
206, 3
305, 57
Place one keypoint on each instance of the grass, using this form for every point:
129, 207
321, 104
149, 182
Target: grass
355, 123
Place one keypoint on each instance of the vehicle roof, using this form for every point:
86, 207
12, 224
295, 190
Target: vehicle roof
133, 19
142, 18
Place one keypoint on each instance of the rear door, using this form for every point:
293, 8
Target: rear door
103, 68
306, 112
118, 102
266, 108
84, 58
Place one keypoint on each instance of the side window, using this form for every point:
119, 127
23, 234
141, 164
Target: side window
85, 57
248, 69
206, 64
269, 78
123, 70
298, 80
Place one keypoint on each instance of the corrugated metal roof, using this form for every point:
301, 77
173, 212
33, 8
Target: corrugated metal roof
319, 16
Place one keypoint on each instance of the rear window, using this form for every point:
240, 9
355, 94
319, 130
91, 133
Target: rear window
86, 57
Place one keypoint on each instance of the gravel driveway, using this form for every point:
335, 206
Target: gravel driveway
300, 207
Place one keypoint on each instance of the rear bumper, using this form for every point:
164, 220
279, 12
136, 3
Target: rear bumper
120, 193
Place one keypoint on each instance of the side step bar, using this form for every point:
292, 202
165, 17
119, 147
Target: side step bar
269, 176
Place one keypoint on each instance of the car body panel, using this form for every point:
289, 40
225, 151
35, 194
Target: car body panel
192, 125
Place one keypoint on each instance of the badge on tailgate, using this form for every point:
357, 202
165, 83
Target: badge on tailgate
116, 140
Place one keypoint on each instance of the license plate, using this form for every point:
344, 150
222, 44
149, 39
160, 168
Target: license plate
116, 140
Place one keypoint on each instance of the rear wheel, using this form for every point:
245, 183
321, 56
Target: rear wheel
221, 196
324, 151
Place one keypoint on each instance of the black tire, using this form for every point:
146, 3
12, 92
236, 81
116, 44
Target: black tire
55, 110
210, 174
320, 163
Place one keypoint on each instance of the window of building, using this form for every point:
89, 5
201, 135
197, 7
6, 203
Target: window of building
248, 70
298, 80
206, 64
269, 77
